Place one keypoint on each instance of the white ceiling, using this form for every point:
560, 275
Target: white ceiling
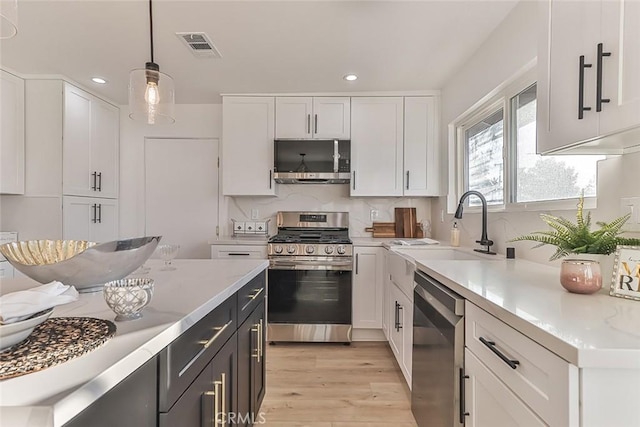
266, 46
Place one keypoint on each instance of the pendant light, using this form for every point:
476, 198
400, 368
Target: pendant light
151, 93
8, 18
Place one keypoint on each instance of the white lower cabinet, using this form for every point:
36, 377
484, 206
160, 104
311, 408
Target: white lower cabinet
239, 251
512, 379
90, 218
490, 402
367, 287
401, 331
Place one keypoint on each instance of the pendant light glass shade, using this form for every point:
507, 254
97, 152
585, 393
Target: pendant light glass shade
8, 18
151, 95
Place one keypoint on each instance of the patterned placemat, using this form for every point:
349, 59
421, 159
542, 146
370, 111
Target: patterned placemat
55, 341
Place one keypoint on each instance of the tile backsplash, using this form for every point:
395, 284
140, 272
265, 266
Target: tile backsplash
320, 197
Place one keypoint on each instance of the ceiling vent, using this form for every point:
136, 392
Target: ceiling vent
199, 44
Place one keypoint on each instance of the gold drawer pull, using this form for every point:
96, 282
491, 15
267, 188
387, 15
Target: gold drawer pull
220, 330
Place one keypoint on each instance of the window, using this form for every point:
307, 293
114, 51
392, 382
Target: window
497, 155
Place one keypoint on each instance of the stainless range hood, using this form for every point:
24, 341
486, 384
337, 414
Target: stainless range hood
312, 177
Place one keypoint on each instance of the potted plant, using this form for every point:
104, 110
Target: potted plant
577, 238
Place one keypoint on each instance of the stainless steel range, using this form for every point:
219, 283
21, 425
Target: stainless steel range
310, 268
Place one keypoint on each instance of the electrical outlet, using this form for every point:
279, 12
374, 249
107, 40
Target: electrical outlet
373, 214
631, 205
255, 214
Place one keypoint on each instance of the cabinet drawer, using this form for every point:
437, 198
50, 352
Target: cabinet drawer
401, 271
238, 251
250, 295
544, 381
183, 359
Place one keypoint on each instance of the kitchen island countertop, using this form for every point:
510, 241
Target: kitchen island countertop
181, 297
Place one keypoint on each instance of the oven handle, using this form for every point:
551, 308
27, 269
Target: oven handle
311, 265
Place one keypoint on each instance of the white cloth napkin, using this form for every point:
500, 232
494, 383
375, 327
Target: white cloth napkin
17, 306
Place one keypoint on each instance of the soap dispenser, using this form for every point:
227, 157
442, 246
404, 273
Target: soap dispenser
455, 234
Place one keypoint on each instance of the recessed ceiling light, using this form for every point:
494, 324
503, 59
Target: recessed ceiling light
350, 77
98, 80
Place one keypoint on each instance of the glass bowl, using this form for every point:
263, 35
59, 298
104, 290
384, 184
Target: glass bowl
127, 297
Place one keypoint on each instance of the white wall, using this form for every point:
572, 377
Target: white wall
505, 53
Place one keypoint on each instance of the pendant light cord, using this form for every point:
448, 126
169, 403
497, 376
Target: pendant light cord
151, 29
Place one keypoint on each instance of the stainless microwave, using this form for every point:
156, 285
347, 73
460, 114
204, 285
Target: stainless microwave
312, 161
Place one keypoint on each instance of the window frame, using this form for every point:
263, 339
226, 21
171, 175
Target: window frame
501, 97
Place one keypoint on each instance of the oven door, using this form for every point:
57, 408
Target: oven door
309, 304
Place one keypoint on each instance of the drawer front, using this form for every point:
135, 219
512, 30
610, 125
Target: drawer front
183, 359
401, 272
541, 379
238, 251
250, 295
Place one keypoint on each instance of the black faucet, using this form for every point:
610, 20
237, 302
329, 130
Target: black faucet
484, 240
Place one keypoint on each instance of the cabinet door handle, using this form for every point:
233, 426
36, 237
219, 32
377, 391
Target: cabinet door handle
308, 123
581, 107
258, 330
357, 263
100, 181
354, 180
513, 364
216, 409
315, 119
270, 174
252, 297
463, 389
93, 213
407, 180
100, 213
599, 99
395, 319
260, 342
219, 330
94, 185
223, 399
238, 254
400, 307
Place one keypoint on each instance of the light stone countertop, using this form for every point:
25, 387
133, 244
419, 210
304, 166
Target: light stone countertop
181, 297
589, 331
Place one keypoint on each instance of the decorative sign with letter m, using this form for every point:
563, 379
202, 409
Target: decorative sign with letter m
626, 273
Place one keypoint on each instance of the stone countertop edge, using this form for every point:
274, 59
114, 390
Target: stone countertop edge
581, 329
144, 343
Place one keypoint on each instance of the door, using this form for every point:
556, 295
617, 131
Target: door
247, 146
367, 287
331, 117
376, 146
77, 176
225, 371
294, 117
11, 134
181, 193
570, 29
620, 35
78, 217
421, 154
490, 402
105, 136
251, 367
395, 333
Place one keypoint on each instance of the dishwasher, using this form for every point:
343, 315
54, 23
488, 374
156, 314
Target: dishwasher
437, 391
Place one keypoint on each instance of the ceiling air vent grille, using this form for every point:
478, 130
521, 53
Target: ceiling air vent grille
199, 44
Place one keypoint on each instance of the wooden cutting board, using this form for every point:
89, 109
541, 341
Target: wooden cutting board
382, 229
405, 225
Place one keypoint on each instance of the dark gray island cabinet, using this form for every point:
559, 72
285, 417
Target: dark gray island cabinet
212, 375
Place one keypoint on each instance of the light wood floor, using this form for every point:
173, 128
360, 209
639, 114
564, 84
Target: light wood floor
333, 385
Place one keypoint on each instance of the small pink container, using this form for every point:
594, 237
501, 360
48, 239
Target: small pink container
581, 276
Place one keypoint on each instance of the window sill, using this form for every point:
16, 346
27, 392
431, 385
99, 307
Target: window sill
551, 205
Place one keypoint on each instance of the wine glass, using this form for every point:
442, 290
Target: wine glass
167, 253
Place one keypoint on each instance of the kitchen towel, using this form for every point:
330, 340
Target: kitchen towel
17, 306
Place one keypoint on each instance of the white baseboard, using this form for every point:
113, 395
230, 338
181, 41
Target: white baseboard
367, 335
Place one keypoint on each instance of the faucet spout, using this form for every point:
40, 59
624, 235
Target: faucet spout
484, 240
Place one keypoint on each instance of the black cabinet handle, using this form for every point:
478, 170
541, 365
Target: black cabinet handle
100, 181
492, 346
94, 215
407, 180
395, 319
357, 263
308, 123
354, 180
270, 174
94, 186
315, 123
599, 99
100, 213
581, 107
463, 390
400, 307
238, 254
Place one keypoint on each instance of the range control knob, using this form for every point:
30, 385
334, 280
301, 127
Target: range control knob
341, 250
328, 250
309, 249
291, 249
277, 249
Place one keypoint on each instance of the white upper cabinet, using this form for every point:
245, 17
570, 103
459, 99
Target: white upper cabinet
376, 146
90, 218
300, 117
421, 153
247, 145
90, 145
11, 134
588, 63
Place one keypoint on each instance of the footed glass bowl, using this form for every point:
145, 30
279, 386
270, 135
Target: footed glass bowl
85, 265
